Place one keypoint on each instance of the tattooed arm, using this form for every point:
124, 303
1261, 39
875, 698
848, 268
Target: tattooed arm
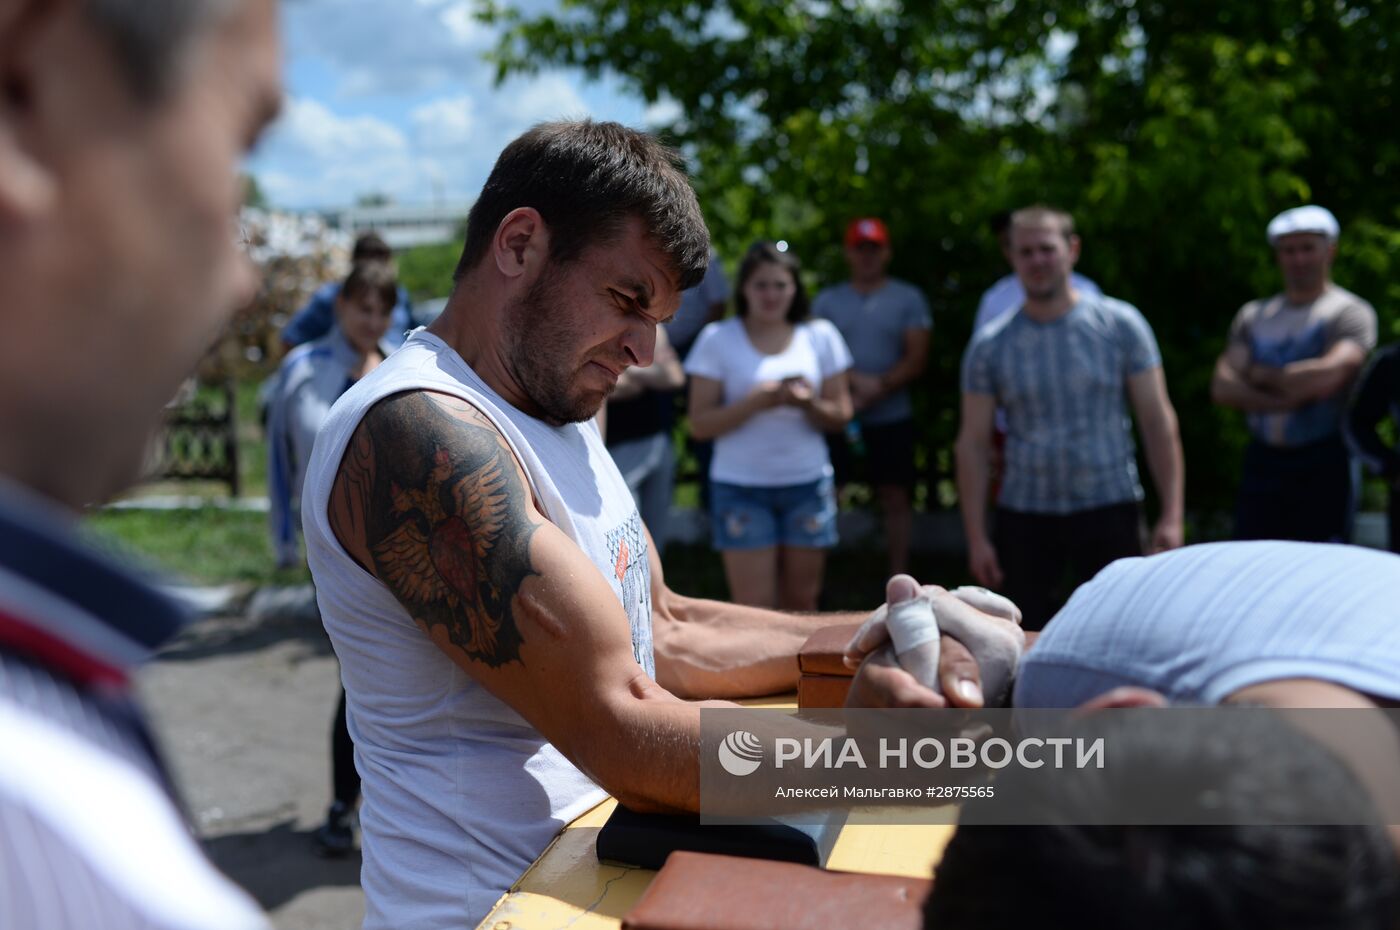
430, 499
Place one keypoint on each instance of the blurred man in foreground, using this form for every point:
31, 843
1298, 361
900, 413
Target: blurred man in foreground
124, 124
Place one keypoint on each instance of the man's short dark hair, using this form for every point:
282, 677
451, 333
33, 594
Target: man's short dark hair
766, 253
370, 247
1039, 215
150, 37
586, 179
1253, 769
375, 278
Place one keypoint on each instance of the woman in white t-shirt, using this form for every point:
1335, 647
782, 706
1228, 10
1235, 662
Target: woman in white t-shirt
765, 386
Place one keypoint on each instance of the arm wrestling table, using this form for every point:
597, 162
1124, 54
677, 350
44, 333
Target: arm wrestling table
568, 886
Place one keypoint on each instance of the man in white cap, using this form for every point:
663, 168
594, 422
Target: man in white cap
1289, 363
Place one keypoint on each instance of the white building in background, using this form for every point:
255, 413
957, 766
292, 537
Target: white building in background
403, 226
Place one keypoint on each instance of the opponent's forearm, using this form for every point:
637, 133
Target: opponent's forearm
710, 649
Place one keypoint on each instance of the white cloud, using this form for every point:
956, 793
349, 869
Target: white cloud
310, 129
664, 111
389, 47
396, 98
548, 96
316, 157
443, 123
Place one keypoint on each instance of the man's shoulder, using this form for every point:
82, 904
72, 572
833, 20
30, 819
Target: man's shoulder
1111, 306
65, 830
994, 332
1344, 299
1114, 309
1002, 285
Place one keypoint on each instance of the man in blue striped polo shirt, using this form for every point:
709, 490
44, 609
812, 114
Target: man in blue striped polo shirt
123, 127
1063, 367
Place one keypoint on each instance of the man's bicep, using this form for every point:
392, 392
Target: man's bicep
429, 498
1237, 356
1147, 392
978, 417
451, 529
1347, 355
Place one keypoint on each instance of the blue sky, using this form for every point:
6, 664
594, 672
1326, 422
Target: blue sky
393, 97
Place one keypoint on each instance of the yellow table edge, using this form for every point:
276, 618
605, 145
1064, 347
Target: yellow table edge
568, 887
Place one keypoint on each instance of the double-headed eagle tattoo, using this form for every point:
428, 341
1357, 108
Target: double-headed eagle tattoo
444, 564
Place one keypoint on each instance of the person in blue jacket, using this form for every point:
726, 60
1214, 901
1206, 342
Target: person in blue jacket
316, 318
310, 380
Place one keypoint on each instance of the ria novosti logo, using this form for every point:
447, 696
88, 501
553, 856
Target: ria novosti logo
741, 753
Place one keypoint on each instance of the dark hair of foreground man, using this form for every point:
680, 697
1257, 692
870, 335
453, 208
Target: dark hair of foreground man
1169, 877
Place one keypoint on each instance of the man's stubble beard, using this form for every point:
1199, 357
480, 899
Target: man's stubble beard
540, 336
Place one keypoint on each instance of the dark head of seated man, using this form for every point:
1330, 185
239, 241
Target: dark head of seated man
1244, 774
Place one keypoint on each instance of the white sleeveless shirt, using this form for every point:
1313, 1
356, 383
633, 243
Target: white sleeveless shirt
460, 794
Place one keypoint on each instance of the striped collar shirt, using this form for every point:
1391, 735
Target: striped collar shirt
90, 832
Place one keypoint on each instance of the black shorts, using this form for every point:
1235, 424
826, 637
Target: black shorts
888, 458
1303, 492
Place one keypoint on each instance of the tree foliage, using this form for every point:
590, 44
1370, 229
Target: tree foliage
1172, 129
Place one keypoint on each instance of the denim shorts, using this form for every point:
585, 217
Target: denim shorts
745, 517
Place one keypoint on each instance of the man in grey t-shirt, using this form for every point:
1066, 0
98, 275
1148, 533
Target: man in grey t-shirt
886, 323
1289, 364
1062, 368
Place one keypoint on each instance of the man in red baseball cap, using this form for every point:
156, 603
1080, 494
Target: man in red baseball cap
886, 322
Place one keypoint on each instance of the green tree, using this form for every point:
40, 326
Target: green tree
253, 195
1173, 129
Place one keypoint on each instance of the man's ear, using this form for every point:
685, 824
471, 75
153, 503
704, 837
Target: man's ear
27, 185
521, 244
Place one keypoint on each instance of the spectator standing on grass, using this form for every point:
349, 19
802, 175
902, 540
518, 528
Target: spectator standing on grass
887, 325
1377, 397
123, 126
700, 305
311, 378
765, 386
315, 319
640, 415
1289, 363
1064, 367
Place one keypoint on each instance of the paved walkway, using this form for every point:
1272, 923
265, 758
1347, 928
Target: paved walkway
243, 710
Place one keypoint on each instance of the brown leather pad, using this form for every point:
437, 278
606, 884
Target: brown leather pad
823, 651
822, 691
698, 891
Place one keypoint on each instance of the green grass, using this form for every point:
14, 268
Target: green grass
207, 546
215, 546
